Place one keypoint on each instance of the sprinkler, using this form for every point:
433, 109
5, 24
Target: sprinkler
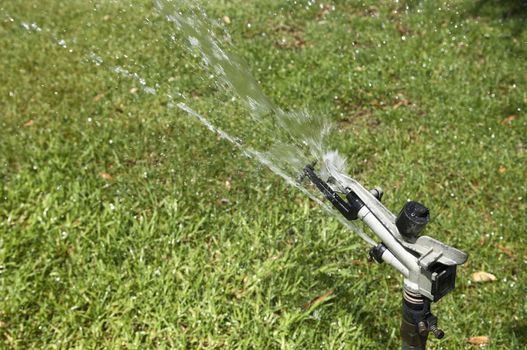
427, 265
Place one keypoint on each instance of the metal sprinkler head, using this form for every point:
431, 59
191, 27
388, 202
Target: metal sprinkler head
427, 265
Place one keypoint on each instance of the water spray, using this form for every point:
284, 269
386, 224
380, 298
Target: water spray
427, 265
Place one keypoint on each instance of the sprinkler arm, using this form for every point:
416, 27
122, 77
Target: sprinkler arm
428, 265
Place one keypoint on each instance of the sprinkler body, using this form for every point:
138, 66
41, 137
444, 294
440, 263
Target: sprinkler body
427, 265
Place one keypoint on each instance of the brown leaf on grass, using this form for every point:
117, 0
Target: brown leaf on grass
291, 37
508, 120
482, 240
29, 123
479, 340
505, 250
317, 300
402, 102
325, 9
482, 276
299, 42
372, 11
224, 201
502, 169
402, 30
98, 97
105, 176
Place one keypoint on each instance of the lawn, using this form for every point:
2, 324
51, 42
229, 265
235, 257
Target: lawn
126, 224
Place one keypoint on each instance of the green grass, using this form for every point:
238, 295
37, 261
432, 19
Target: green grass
164, 255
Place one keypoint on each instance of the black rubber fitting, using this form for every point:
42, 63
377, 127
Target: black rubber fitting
377, 252
412, 219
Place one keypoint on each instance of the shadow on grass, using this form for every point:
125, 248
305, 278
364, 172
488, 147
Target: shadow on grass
519, 329
357, 303
513, 11
365, 313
